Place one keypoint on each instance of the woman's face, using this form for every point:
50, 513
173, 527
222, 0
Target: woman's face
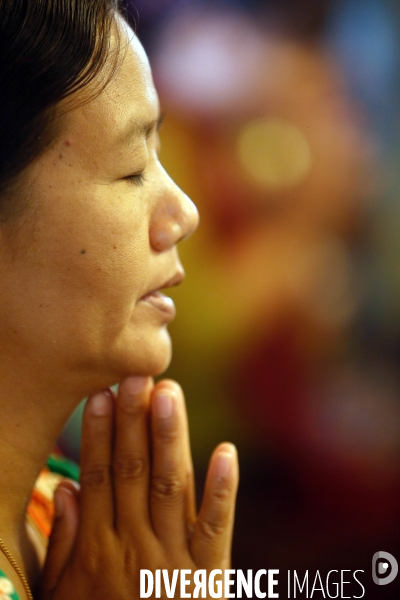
98, 238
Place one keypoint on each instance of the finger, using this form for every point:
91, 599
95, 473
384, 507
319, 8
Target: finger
212, 537
96, 495
190, 501
73, 487
131, 454
172, 497
62, 537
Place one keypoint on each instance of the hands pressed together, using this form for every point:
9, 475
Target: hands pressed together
136, 505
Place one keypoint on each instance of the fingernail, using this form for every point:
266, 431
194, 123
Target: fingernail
135, 385
223, 465
108, 392
66, 485
99, 404
163, 406
75, 484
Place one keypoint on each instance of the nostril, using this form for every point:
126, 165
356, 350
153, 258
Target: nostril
163, 238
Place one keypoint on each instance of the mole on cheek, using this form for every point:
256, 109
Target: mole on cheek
83, 251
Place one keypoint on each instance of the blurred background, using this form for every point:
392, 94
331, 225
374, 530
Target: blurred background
282, 124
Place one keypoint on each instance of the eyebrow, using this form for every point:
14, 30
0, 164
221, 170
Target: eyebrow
137, 129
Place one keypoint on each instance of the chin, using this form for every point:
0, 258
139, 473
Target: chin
148, 355
156, 364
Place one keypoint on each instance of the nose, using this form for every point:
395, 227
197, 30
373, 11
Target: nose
174, 218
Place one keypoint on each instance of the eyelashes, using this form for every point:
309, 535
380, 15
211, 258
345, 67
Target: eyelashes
137, 179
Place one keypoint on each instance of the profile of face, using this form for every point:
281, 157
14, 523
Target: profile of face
81, 270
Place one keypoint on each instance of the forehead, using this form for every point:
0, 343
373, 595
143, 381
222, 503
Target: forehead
129, 98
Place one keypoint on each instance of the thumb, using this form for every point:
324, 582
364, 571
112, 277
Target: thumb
62, 537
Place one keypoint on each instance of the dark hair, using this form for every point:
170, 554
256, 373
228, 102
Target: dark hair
49, 49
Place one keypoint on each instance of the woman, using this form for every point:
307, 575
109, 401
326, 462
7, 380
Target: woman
88, 234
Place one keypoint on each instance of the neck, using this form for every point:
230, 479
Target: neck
32, 419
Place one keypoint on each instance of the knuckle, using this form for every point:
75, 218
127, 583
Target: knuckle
92, 566
94, 552
90, 560
212, 528
98, 428
166, 488
95, 476
168, 434
129, 467
131, 405
221, 494
130, 561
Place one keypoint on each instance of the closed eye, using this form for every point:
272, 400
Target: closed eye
137, 179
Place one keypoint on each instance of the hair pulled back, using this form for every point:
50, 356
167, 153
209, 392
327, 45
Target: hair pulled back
49, 49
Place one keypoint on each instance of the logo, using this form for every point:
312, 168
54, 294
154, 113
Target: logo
384, 568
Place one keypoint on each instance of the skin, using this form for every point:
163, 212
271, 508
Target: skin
93, 243
75, 268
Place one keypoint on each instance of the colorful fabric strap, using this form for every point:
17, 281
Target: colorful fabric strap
40, 511
7, 589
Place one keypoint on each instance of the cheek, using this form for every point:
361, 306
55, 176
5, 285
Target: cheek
115, 266
87, 263
99, 240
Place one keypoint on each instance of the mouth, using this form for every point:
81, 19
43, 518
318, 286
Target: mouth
159, 301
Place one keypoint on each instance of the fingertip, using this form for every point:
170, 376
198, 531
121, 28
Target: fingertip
100, 404
70, 486
228, 448
224, 462
166, 399
66, 511
163, 405
167, 386
109, 392
135, 384
222, 465
60, 500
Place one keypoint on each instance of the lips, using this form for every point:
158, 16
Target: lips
161, 302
